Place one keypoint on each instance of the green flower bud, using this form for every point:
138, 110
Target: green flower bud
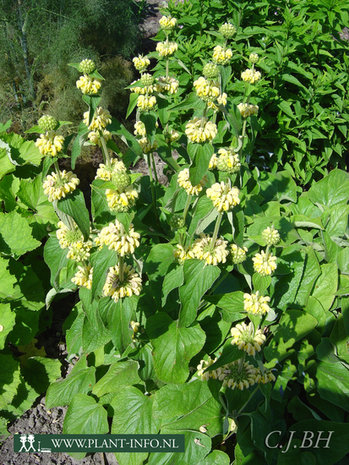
176, 222
87, 66
223, 164
271, 236
147, 79
210, 71
227, 30
47, 123
121, 181
238, 254
253, 57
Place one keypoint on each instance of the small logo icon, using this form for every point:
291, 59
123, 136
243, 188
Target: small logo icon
30, 439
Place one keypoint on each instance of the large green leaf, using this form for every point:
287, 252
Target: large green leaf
135, 149
120, 374
9, 186
333, 383
338, 220
294, 325
5, 164
99, 205
278, 186
173, 280
343, 260
132, 104
287, 286
32, 195
118, 319
304, 447
55, 258
16, 234
231, 304
7, 281
133, 414
293, 80
21, 151
7, 322
39, 372
331, 190
311, 272
101, 261
85, 416
78, 143
62, 392
192, 406
174, 347
159, 259
74, 334
339, 335
198, 278
315, 308
216, 457
149, 119
9, 380
199, 167
74, 206
202, 211
197, 446
216, 329
94, 333
326, 285
29, 153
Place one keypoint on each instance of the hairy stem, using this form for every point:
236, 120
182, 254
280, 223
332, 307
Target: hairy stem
55, 164
121, 268
216, 229
154, 167
187, 205
105, 151
153, 194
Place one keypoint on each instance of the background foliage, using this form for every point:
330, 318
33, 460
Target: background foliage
303, 97
25, 219
147, 381
39, 38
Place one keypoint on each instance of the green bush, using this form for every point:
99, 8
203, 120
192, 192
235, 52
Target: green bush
26, 217
214, 307
37, 40
303, 96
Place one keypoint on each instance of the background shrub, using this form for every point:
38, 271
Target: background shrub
303, 97
37, 41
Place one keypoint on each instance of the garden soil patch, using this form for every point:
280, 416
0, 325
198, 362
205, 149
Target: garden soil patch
39, 420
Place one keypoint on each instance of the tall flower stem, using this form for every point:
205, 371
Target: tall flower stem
121, 268
216, 229
105, 151
187, 205
167, 68
205, 112
153, 196
243, 135
154, 167
55, 164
